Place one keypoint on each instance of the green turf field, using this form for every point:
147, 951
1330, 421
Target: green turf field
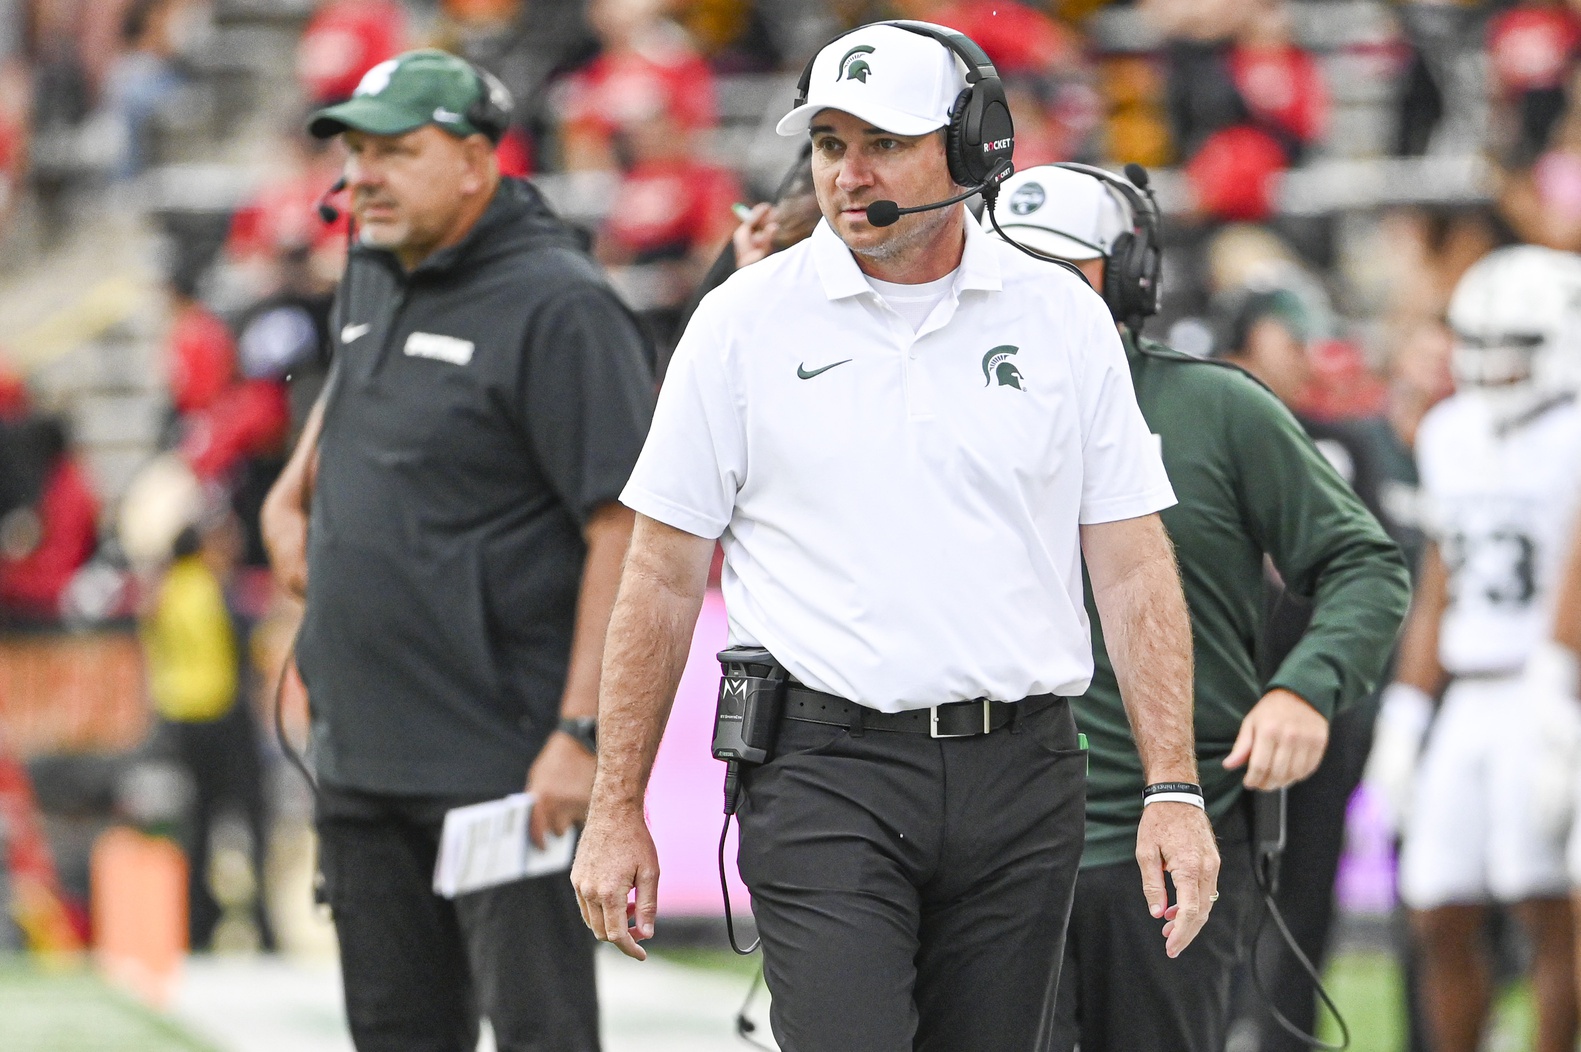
1365, 984
73, 1011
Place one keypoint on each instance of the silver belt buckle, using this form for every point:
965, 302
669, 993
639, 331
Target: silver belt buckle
933, 721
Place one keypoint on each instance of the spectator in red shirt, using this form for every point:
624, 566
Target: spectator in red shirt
647, 66
1048, 82
223, 418
201, 356
342, 41
671, 215
671, 205
1245, 103
1531, 51
43, 545
282, 219
16, 98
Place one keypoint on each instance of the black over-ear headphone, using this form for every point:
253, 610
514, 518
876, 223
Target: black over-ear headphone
980, 135
490, 112
1131, 276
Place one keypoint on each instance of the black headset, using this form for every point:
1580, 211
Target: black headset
490, 112
1131, 276
980, 137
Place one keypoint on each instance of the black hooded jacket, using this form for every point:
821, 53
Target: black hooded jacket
480, 409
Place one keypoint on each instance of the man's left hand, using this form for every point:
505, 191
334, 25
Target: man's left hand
1177, 838
1282, 741
561, 781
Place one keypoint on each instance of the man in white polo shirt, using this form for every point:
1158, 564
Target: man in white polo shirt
906, 436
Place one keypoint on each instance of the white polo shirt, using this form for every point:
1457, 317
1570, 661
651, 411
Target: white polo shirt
899, 509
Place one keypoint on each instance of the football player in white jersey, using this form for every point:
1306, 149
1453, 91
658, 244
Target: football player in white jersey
1485, 807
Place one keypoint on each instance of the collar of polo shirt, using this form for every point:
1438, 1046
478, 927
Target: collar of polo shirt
841, 276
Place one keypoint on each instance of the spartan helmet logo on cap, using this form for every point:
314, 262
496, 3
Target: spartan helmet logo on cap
998, 366
377, 78
853, 66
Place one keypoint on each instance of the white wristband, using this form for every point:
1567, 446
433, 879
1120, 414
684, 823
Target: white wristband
1175, 798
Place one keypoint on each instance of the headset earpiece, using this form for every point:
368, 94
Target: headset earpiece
980, 135
1117, 276
954, 140
1131, 275
490, 112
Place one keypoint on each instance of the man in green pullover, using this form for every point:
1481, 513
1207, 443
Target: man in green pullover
1252, 487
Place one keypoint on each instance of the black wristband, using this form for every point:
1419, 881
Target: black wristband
1191, 788
583, 728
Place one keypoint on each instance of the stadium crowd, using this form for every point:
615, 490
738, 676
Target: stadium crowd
650, 110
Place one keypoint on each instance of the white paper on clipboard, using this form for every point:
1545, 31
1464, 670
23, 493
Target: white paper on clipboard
486, 845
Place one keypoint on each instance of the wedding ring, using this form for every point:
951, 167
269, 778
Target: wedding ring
1214, 897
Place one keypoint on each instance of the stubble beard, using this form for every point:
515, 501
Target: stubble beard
919, 229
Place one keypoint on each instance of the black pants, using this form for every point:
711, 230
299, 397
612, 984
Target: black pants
1119, 991
221, 757
912, 894
420, 970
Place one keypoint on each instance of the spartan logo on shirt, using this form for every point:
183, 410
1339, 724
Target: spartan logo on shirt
998, 366
854, 67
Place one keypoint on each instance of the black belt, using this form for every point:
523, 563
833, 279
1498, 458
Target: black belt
955, 719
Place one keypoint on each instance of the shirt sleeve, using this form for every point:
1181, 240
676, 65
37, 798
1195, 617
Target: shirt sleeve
1325, 544
1122, 466
587, 395
694, 461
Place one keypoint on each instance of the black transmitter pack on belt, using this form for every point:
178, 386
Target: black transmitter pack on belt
751, 699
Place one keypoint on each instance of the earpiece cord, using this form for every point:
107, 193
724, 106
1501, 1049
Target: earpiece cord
1271, 910
295, 758
1040, 257
745, 1027
724, 889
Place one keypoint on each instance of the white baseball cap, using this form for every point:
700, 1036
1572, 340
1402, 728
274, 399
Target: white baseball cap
900, 81
1061, 213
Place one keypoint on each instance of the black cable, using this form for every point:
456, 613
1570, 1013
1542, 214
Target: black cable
1271, 910
745, 1027
295, 758
988, 202
724, 889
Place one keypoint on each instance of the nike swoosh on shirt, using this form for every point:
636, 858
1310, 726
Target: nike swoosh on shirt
807, 374
352, 332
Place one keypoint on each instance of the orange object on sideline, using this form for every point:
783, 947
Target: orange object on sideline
139, 911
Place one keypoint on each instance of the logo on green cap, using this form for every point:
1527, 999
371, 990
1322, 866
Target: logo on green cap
377, 78
855, 70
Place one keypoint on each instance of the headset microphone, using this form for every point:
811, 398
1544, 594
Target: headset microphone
326, 211
887, 213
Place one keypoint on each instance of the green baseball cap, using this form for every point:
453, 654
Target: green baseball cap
417, 88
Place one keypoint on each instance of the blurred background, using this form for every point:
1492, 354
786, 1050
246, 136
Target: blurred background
165, 279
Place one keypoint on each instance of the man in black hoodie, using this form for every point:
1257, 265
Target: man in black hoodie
450, 516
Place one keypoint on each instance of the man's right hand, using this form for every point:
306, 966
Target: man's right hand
287, 544
615, 854
754, 238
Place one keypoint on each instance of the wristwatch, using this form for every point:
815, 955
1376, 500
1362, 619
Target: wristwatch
583, 728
